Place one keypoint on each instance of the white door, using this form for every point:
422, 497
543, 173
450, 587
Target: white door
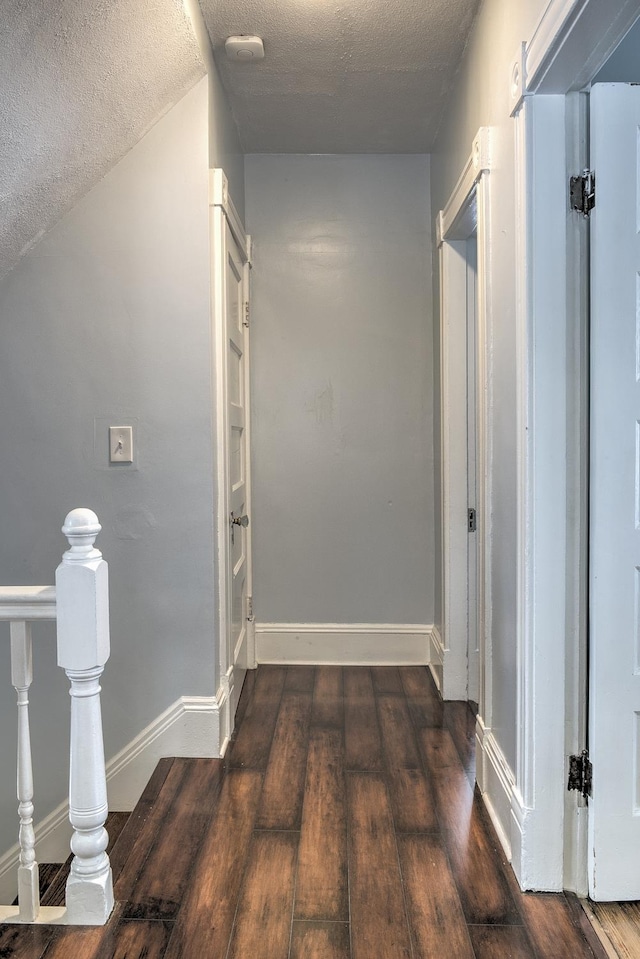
237, 335
473, 652
614, 685
230, 249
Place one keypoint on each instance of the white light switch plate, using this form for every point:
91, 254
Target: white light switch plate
121, 444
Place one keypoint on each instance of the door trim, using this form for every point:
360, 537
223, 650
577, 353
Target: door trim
572, 40
570, 43
455, 224
222, 212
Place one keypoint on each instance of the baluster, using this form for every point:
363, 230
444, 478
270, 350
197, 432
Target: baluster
82, 602
21, 678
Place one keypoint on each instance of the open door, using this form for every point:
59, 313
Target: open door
473, 641
230, 250
614, 684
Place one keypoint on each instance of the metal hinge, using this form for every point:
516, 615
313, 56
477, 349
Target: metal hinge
471, 520
250, 616
245, 322
580, 774
582, 192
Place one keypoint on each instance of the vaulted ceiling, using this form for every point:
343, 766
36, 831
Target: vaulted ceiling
82, 81
341, 76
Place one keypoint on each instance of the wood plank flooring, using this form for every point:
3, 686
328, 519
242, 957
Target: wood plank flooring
618, 924
342, 824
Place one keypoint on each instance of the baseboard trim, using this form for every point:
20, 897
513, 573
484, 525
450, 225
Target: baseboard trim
497, 784
189, 727
436, 657
340, 644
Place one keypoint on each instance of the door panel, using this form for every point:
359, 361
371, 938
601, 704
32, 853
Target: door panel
236, 334
473, 651
614, 686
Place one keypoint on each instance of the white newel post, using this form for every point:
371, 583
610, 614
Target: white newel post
21, 678
82, 600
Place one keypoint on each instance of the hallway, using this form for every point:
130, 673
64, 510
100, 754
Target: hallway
341, 825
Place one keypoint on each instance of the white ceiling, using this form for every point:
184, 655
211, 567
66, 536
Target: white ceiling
341, 76
81, 82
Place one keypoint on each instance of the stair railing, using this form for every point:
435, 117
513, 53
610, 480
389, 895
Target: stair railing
79, 602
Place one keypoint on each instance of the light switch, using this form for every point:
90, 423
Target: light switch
121, 444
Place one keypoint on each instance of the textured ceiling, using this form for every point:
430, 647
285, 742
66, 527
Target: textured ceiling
81, 82
341, 76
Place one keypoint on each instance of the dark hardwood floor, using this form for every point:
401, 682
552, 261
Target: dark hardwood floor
342, 824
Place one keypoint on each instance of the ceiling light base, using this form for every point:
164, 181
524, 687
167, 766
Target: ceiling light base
244, 49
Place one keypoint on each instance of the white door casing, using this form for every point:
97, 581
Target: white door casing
466, 215
570, 42
230, 292
614, 693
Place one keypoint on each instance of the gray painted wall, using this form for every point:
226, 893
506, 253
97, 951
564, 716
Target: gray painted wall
480, 98
342, 371
623, 66
107, 320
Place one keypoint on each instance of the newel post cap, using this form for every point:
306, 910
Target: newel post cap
81, 526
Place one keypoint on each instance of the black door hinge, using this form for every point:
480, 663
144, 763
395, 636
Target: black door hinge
472, 521
580, 774
582, 192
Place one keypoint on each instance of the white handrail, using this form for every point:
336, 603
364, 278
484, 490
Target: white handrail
79, 602
27, 603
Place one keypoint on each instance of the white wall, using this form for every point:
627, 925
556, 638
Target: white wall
107, 320
342, 388
481, 98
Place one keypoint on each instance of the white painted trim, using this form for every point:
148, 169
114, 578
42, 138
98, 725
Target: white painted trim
436, 658
250, 658
479, 162
189, 727
517, 82
220, 196
456, 224
541, 325
497, 784
223, 212
343, 644
570, 43
27, 602
484, 462
572, 40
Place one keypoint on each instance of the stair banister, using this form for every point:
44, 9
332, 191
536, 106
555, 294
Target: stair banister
79, 603
21, 678
82, 596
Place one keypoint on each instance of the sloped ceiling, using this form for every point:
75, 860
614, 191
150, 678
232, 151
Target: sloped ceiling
341, 76
81, 82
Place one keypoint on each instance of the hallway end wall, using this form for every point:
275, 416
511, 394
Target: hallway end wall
342, 390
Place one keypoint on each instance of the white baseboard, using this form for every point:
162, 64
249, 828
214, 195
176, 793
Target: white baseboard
189, 727
436, 656
351, 644
497, 784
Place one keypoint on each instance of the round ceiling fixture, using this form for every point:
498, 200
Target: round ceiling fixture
244, 48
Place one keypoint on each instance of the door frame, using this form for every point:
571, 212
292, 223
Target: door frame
465, 214
570, 43
222, 214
